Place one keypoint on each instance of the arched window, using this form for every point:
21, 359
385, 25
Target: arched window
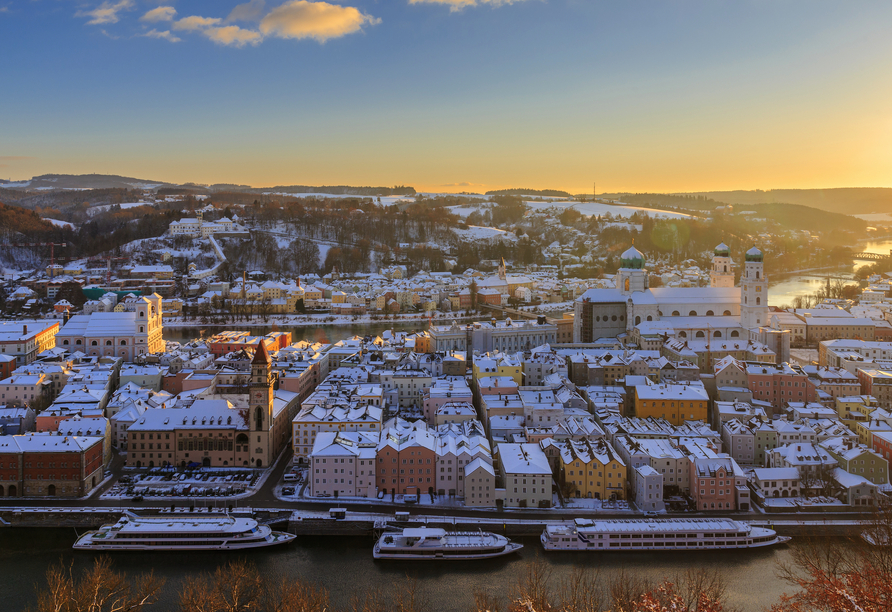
123, 343
77, 342
627, 284
717, 334
94, 343
637, 320
727, 313
693, 313
65, 342
735, 333
675, 313
682, 334
142, 314
758, 301
700, 334
650, 318
710, 313
108, 343
757, 275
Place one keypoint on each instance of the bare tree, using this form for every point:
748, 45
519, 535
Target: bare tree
97, 589
234, 587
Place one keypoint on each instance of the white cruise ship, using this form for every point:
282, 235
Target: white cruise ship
428, 544
664, 534
180, 532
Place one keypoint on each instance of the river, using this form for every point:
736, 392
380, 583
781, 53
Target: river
345, 567
785, 290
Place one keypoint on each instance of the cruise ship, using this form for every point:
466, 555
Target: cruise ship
664, 534
181, 533
424, 543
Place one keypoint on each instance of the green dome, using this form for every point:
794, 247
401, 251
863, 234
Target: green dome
632, 259
722, 250
754, 254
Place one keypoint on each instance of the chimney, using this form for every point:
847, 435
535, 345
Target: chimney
24, 330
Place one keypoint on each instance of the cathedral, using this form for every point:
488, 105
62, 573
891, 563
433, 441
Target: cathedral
633, 310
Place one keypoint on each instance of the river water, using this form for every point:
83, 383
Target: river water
344, 566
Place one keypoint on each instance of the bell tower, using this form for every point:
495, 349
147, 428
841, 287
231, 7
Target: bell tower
753, 291
260, 406
722, 273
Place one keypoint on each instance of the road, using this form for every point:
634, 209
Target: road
264, 497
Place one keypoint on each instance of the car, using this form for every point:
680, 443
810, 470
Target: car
137, 498
651, 513
287, 490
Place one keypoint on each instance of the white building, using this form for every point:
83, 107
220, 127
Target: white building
342, 464
137, 331
527, 476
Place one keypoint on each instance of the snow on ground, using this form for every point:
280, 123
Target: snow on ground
15, 185
95, 209
462, 211
475, 233
58, 223
796, 502
594, 208
876, 218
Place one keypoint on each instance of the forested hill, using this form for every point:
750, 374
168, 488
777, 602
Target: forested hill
398, 190
551, 193
845, 200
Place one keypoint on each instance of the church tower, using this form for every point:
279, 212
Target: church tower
260, 403
503, 270
753, 291
722, 273
632, 276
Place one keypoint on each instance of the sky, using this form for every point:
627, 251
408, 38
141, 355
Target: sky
451, 95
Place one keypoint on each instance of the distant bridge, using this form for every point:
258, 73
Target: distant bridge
871, 256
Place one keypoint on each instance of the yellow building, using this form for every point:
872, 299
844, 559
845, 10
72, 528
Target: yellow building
676, 403
593, 470
500, 365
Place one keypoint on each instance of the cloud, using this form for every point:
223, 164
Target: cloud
249, 11
210, 27
195, 22
318, 20
4, 9
164, 34
107, 12
233, 35
457, 5
162, 13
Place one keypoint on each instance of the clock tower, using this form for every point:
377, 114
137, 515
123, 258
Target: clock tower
260, 403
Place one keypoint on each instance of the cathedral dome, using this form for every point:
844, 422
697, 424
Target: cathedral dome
722, 250
632, 259
754, 254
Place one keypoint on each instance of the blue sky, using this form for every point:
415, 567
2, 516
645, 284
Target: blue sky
447, 96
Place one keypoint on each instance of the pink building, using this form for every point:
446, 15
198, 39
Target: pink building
443, 392
407, 460
718, 484
777, 384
